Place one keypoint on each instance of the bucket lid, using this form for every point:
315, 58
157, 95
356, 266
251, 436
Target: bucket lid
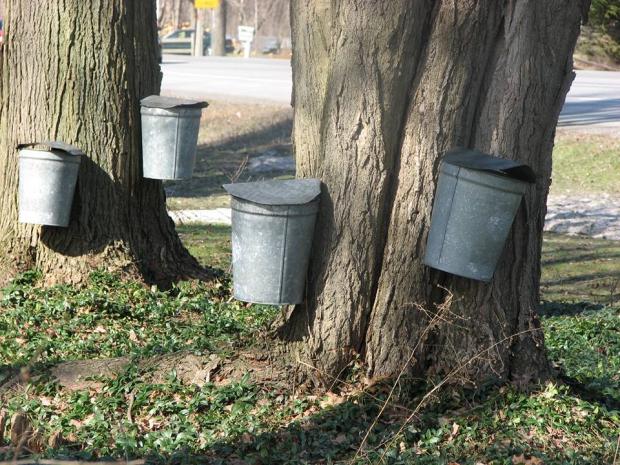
158, 101
48, 145
278, 192
475, 160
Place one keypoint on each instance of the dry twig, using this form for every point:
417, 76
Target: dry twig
448, 377
435, 319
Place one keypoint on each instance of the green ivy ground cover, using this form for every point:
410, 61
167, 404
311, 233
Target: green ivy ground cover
135, 414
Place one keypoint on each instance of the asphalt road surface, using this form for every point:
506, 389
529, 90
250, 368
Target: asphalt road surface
592, 103
238, 79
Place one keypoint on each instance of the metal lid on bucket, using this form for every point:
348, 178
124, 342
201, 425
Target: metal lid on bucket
48, 145
475, 160
277, 192
51, 150
168, 103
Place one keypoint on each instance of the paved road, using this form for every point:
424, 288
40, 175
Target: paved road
593, 101
255, 79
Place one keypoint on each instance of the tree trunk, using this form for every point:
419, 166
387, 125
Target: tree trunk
218, 38
75, 72
381, 91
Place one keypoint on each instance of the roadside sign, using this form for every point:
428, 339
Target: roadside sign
246, 33
206, 4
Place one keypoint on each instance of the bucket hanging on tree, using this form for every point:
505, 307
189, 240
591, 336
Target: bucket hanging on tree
48, 173
169, 136
272, 231
475, 204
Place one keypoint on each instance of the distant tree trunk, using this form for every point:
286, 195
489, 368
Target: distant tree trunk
199, 29
177, 13
162, 6
75, 72
381, 91
218, 37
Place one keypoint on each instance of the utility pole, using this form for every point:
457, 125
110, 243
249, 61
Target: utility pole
199, 35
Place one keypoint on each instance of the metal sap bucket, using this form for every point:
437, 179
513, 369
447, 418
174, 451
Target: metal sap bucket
48, 172
475, 204
272, 230
169, 136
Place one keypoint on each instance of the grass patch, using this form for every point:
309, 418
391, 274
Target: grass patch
210, 244
578, 269
585, 163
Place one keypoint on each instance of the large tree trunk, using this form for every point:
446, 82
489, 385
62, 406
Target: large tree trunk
219, 30
75, 72
381, 91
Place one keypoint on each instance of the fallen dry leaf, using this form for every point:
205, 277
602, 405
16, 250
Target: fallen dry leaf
455, 431
55, 440
331, 399
523, 460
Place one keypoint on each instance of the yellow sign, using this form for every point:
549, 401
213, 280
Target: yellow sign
208, 4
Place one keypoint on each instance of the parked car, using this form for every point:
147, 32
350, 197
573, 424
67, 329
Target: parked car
1, 31
180, 42
270, 45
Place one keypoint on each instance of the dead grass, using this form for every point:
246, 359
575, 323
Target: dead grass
231, 134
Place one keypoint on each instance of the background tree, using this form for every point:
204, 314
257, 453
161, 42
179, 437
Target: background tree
75, 71
381, 91
605, 14
219, 30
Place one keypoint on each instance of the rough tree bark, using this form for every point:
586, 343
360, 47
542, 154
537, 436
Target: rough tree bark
381, 91
219, 30
75, 71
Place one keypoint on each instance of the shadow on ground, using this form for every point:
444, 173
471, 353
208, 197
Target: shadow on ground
590, 112
577, 269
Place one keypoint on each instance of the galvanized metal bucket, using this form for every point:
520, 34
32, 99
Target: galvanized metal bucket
169, 136
48, 173
272, 231
475, 204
